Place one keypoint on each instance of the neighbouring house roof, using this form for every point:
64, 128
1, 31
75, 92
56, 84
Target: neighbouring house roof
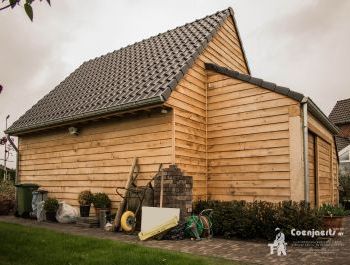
342, 142
138, 75
312, 107
340, 114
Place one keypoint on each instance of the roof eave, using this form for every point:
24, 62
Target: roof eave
318, 113
86, 116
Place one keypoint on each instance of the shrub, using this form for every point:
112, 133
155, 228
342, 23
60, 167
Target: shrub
101, 200
51, 205
344, 192
330, 210
7, 190
85, 197
259, 219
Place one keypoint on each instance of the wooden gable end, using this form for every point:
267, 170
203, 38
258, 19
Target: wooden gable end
189, 103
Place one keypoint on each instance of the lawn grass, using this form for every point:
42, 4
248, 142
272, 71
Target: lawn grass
28, 245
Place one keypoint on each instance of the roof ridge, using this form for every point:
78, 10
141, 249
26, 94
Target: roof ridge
340, 100
161, 33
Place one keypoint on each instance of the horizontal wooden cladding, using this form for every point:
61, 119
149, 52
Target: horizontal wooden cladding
317, 128
249, 123
250, 168
250, 130
99, 130
228, 197
95, 142
190, 123
254, 106
187, 115
249, 183
249, 176
248, 145
252, 191
248, 141
140, 147
250, 137
244, 101
225, 48
248, 115
75, 163
119, 176
99, 158
258, 160
235, 92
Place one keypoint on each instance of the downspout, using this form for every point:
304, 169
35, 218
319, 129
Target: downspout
305, 148
17, 160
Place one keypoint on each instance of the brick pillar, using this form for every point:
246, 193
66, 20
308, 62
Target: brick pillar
177, 190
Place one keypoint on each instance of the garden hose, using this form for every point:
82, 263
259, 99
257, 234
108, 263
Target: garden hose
194, 227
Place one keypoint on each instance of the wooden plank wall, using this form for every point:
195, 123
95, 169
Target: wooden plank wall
189, 102
326, 162
99, 158
312, 169
248, 141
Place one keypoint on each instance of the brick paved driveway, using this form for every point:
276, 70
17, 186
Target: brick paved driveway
245, 251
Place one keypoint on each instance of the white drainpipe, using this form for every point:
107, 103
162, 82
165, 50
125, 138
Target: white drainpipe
305, 148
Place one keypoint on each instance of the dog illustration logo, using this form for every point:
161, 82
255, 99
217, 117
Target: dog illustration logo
279, 244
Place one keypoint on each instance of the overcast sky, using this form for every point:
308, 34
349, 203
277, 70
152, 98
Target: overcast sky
302, 44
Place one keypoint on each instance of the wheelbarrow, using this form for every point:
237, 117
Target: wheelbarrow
134, 197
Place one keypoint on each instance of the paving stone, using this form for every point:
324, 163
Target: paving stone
239, 250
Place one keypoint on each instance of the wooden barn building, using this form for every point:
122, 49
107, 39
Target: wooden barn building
183, 97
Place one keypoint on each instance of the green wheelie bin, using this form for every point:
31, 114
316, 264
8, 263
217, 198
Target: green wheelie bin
24, 198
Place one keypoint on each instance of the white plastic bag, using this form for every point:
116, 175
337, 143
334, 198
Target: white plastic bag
66, 213
40, 212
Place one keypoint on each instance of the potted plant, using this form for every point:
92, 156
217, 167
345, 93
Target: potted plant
101, 201
85, 199
332, 216
51, 207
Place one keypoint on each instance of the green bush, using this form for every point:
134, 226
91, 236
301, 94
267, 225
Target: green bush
101, 200
51, 205
330, 210
259, 219
7, 190
85, 197
344, 192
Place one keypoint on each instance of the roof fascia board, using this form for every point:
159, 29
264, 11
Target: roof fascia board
232, 13
87, 116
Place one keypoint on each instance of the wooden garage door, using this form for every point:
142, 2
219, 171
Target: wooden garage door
320, 169
312, 169
324, 170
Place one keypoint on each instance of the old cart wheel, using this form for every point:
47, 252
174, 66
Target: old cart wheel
128, 221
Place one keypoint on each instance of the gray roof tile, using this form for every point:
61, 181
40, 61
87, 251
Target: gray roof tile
342, 142
341, 112
139, 74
